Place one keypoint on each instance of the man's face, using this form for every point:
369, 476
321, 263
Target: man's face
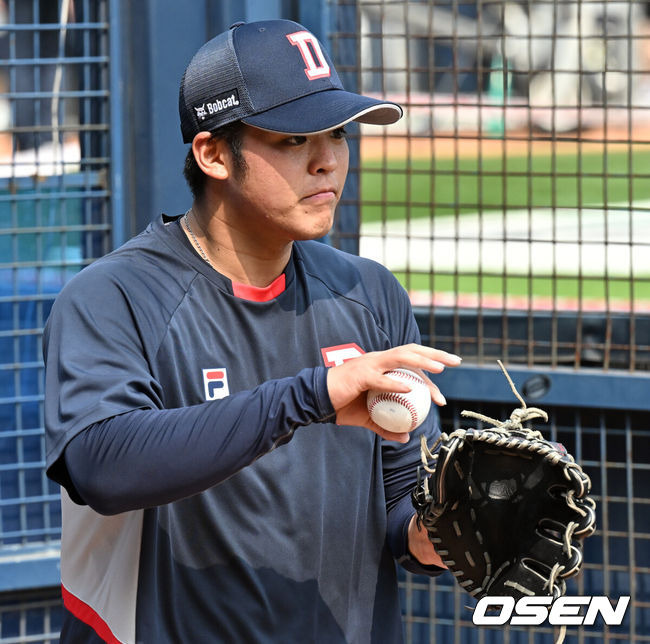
291, 186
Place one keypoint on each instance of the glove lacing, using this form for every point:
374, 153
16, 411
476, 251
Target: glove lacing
555, 583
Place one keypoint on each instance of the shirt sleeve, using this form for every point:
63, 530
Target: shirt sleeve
97, 357
146, 458
400, 477
111, 438
400, 462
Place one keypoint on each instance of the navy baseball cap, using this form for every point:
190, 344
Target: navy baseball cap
274, 75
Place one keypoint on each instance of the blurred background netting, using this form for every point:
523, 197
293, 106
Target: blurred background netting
513, 204
54, 219
519, 178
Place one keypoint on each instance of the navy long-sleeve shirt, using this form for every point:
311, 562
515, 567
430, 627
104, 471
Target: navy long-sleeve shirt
196, 426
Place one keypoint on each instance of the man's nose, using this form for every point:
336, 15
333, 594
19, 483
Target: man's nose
324, 156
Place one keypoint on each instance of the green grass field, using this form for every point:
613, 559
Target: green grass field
560, 287
446, 187
424, 188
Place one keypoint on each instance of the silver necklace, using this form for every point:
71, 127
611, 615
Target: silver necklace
194, 239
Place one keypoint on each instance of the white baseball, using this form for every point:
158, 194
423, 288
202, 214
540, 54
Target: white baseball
398, 412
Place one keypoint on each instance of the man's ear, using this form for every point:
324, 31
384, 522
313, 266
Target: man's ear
212, 155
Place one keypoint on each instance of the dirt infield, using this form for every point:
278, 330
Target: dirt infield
514, 144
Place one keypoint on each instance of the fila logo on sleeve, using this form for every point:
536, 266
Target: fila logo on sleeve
308, 47
335, 356
215, 383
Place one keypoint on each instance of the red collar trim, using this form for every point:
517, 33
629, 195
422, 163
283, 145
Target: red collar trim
257, 294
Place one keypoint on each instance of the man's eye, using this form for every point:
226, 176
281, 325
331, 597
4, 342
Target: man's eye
296, 140
339, 133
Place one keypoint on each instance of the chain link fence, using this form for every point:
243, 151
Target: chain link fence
518, 180
54, 220
513, 204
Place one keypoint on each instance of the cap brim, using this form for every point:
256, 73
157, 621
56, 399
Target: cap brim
324, 111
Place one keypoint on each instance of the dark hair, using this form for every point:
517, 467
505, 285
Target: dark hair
232, 134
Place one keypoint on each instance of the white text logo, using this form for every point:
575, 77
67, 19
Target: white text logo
218, 104
563, 611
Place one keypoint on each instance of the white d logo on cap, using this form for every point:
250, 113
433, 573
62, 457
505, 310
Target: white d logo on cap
302, 40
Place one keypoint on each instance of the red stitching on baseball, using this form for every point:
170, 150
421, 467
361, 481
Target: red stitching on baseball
407, 374
396, 398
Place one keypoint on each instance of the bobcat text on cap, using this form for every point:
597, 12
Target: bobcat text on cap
220, 104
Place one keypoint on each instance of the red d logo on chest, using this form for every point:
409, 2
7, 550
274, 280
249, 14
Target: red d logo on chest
337, 355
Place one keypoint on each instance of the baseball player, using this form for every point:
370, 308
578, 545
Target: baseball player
206, 384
